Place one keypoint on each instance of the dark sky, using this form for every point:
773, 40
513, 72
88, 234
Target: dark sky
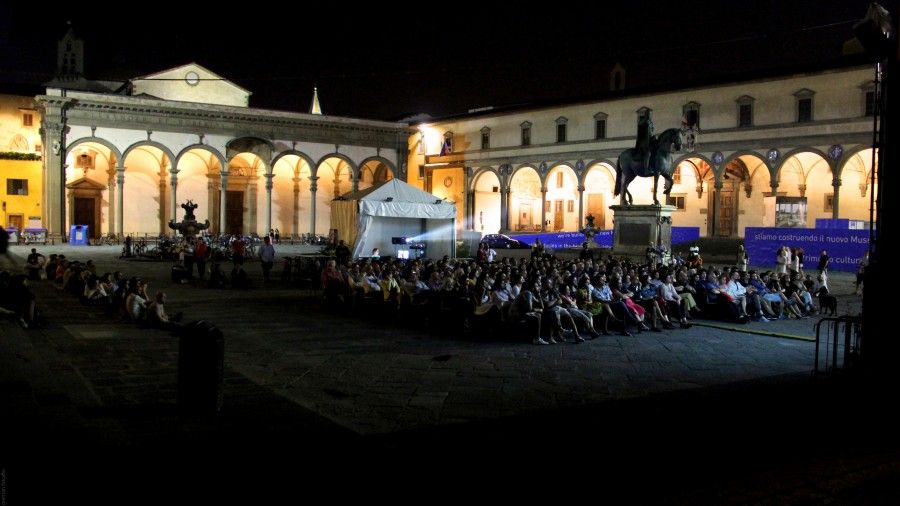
434, 58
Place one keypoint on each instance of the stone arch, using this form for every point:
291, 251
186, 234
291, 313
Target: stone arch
525, 198
291, 195
610, 164
345, 158
793, 153
380, 170
165, 149
563, 198
259, 147
203, 147
199, 167
303, 156
848, 155
96, 140
599, 182
479, 172
486, 212
328, 188
390, 166
523, 166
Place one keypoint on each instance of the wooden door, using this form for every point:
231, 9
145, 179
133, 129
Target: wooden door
525, 222
16, 221
596, 209
234, 213
558, 215
726, 210
86, 214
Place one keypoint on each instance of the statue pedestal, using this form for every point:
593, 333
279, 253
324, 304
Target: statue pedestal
636, 227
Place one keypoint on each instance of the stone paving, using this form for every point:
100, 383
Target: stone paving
294, 371
371, 377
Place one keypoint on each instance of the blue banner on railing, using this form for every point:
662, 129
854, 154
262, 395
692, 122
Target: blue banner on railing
603, 238
845, 247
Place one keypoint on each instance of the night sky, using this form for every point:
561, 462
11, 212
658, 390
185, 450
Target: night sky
393, 62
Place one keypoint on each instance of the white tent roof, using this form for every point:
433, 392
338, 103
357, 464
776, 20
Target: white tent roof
396, 198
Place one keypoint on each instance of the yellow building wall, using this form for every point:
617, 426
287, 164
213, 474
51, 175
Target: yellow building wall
29, 206
12, 111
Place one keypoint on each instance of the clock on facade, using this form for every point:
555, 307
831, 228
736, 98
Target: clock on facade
192, 78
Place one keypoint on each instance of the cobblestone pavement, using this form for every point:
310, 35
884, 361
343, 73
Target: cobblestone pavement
295, 375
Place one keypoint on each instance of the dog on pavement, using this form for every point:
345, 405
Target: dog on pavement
827, 302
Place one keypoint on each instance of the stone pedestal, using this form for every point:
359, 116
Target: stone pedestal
636, 227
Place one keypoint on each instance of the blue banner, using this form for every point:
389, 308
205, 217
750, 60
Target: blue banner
845, 247
603, 238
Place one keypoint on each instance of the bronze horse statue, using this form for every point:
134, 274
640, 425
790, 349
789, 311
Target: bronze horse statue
631, 164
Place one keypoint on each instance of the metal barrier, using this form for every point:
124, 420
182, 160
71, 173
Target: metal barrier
841, 343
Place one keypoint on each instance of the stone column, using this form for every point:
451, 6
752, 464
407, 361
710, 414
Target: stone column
53, 136
268, 203
313, 187
162, 201
211, 205
252, 218
504, 210
120, 199
355, 185
173, 181
470, 210
111, 202
580, 223
223, 196
543, 209
835, 202
295, 216
717, 207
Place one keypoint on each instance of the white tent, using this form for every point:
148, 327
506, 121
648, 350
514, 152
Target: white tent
370, 218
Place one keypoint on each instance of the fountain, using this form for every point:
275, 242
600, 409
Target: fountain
189, 227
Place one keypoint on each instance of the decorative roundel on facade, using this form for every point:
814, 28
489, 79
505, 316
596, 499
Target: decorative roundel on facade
718, 157
543, 167
192, 78
448, 181
773, 155
579, 165
835, 152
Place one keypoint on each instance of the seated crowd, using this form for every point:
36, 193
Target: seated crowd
553, 300
126, 298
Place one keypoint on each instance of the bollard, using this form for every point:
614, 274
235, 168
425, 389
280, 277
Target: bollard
201, 364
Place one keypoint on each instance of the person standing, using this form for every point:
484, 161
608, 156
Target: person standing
34, 264
743, 259
823, 262
201, 253
267, 257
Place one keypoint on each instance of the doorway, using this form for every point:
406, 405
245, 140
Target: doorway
723, 225
558, 216
234, 213
16, 221
525, 223
596, 209
85, 214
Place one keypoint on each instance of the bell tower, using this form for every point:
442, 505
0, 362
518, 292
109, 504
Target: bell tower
69, 56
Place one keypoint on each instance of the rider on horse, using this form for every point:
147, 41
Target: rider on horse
644, 137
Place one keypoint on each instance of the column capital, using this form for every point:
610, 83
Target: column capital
581, 188
836, 182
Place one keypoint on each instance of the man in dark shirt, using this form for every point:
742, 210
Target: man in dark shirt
823, 262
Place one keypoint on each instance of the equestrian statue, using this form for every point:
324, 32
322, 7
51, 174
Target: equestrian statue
651, 156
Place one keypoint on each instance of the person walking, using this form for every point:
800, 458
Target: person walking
267, 257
